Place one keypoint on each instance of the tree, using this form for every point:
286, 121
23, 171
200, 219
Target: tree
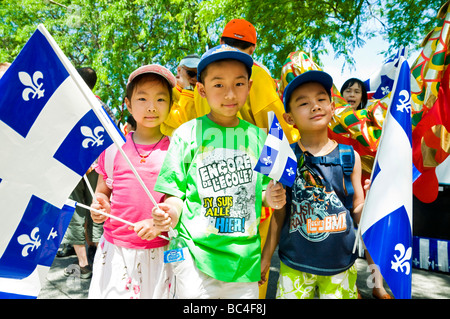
116, 37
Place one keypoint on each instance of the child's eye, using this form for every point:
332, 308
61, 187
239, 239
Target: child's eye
161, 100
218, 85
240, 84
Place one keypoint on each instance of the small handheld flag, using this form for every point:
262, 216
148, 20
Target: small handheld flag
277, 159
386, 222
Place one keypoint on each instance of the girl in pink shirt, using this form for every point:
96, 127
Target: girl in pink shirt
128, 262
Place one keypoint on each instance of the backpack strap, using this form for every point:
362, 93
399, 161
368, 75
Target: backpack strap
347, 159
110, 154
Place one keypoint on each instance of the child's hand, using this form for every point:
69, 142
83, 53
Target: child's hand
145, 229
103, 205
275, 195
265, 265
367, 183
162, 217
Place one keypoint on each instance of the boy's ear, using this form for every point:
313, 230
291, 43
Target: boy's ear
201, 89
333, 108
288, 118
250, 83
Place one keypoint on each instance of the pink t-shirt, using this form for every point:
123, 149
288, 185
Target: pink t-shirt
129, 200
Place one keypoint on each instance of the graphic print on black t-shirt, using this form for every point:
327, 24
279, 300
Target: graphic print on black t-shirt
316, 211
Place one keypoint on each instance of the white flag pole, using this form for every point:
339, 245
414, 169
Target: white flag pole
270, 117
86, 180
103, 213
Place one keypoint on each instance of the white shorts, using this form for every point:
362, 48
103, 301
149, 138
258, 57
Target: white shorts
123, 273
190, 283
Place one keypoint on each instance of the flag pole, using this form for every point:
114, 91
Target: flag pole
394, 87
103, 213
270, 116
86, 180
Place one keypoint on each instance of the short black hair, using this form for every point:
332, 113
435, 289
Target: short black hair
364, 97
89, 76
236, 43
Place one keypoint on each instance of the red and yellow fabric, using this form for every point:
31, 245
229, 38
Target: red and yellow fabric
430, 96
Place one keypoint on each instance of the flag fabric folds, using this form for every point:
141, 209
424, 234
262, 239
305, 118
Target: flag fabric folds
52, 128
381, 81
277, 159
386, 222
47, 219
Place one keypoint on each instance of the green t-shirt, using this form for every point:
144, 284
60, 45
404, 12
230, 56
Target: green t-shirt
210, 167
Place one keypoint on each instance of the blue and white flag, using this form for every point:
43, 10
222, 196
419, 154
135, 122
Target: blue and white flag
382, 81
52, 128
42, 218
386, 222
277, 159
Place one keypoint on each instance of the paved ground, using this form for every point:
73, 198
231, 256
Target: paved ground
426, 284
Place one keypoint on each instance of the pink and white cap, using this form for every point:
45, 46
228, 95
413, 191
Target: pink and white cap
156, 69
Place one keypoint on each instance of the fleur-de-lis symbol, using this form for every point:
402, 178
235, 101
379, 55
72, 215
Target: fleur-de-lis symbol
33, 87
30, 242
405, 104
385, 90
267, 160
290, 171
93, 138
402, 260
278, 126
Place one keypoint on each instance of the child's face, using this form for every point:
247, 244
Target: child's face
353, 95
311, 108
149, 103
226, 87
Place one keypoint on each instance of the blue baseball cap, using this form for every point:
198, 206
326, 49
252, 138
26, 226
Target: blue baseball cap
309, 76
222, 52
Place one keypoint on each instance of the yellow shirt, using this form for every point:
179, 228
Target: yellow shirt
262, 99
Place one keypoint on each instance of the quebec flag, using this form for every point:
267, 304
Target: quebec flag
52, 128
382, 81
386, 222
277, 159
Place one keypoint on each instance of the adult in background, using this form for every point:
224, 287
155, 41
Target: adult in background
355, 93
187, 73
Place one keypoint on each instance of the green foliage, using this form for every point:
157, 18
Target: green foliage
117, 36
407, 22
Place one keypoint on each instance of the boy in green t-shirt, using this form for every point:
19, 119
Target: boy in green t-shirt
213, 195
